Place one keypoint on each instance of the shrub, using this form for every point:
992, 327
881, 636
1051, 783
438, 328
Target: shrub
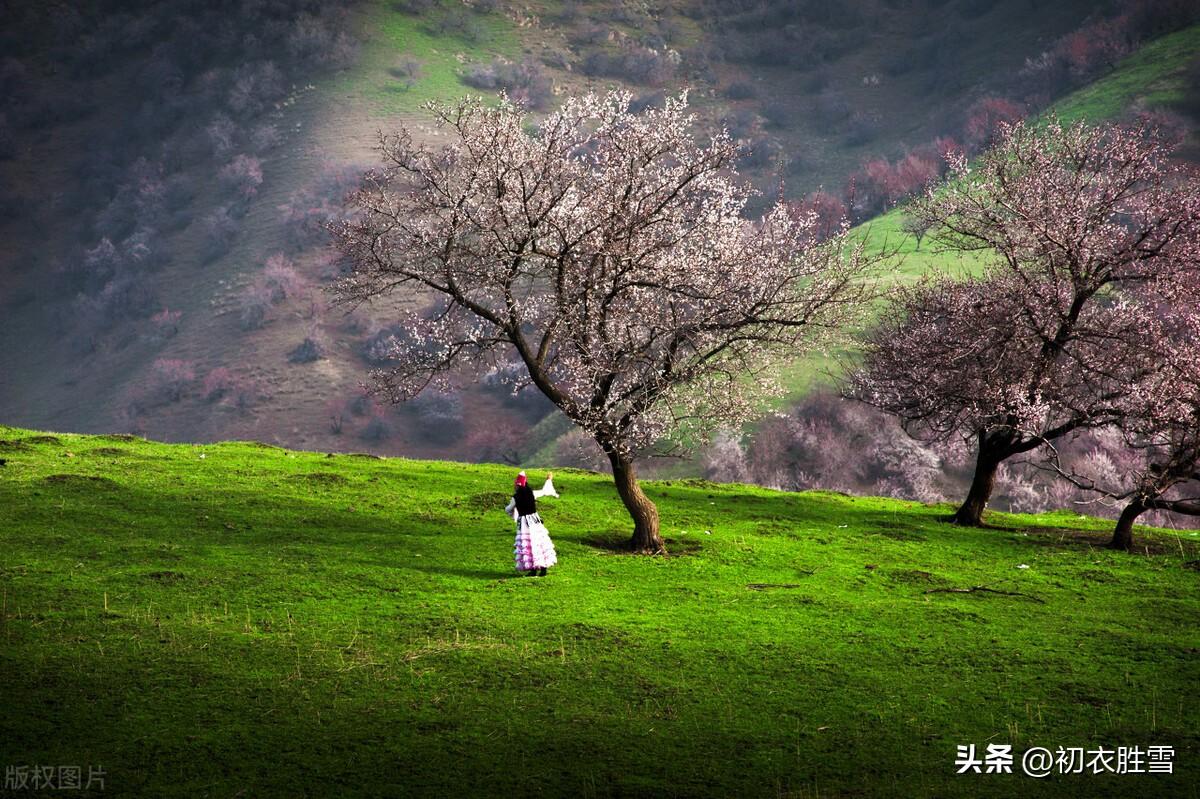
255, 87
407, 70
222, 133
414, 7
279, 279
761, 154
220, 229
265, 137
378, 427
256, 302
306, 352
862, 127
242, 176
171, 377
741, 90
985, 118
165, 324
526, 81
337, 410
440, 415
217, 384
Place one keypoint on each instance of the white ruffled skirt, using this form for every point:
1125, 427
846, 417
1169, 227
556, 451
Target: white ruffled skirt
533, 548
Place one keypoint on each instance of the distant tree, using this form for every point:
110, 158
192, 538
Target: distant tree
1094, 48
829, 213
496, 441
414, 6
255, 87
245, 394
407, 70
306, 351
337, 410
217, 384
265, 137
220, 229
171, 377
279, 278
525, 82
724, 459
913, 173
309, 209
988, 118
916, 227
831, 109
242, 176
314, 40
255, 304
741, 90
440, 414
608, 257
222, 133
379, 427
166, 323
1073, 218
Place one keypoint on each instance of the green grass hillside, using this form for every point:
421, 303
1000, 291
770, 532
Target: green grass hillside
241, 620
1153, 78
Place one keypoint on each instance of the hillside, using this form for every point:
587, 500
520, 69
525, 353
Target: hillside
1153, 79
234, 618
209, 345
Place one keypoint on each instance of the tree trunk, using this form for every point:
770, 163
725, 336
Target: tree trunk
1123, 534
646, 539
970, 514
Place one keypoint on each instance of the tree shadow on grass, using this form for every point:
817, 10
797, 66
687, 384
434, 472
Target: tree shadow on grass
619, 544
498, 573
1076, 539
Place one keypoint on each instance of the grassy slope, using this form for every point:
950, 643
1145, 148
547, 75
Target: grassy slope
225, 619
1153, 76
392, 35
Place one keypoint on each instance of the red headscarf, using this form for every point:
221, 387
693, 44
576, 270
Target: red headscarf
521, 479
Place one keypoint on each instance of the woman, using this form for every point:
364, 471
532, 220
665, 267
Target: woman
533, 550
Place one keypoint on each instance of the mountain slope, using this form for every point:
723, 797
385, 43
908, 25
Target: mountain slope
328, 128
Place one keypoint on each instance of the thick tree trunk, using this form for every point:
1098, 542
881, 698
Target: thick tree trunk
645, 515
1123, 534
986, 464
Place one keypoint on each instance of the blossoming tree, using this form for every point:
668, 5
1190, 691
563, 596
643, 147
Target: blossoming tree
603, 253
1160, 424
1072, 219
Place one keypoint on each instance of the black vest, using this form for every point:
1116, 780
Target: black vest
526, 504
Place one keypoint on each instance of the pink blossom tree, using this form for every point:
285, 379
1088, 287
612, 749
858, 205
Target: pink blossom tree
1047, 343
1161, 427
606, 255
171, 377
988, 119
242, 176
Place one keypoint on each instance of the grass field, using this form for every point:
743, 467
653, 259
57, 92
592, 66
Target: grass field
392, 35
241, 620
